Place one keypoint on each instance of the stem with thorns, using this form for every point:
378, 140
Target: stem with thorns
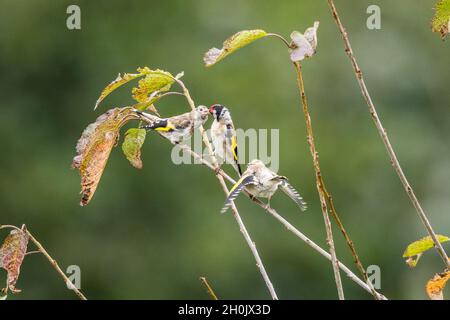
236, 214
52, 261
290, 227
319, 182
319, 178
382, 132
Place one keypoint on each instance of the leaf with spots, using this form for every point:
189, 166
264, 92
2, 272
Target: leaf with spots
119, 81
12, 253
415, 250
132, 144
441, 19
154, 81
94, 148
436, 285
235, 42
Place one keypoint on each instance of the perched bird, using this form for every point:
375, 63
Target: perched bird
176, 128
223, 136
260, 181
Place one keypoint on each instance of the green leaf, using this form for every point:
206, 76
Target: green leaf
119, 81
94, 148
148, 104
154, 81
235, 42
132, 144
415, 250
441, 19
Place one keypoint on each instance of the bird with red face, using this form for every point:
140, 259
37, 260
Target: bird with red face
223, 137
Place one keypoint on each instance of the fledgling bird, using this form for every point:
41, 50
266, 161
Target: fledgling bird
223, 136
260, 181
177, 128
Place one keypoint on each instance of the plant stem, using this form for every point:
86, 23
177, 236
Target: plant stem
236, 214
49, 258
319, 182
288, 226
208, 288
382, 132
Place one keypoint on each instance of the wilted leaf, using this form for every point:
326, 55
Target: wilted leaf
119, 81
12, 253
148, 104
132, 144
436, 285
441, 19
236, 41
155, 80
94, 148
304, 45
414, 251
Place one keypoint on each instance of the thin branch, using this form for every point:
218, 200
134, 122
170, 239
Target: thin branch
382, 132
32, 252
319, 182
208, 288
236, 214
281, 38
288, 226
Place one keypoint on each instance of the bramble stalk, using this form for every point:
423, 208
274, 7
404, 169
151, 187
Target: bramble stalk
236, 214
319, 182
290, 227
52, 261
382, 132
319, 179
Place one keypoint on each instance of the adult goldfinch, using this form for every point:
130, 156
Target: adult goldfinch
260, 181
177, 128
223, 136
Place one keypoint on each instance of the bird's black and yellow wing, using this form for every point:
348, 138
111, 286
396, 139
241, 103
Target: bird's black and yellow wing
236, 190
290, 191
162, 125
231, 136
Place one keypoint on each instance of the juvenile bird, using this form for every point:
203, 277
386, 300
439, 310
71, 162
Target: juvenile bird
260, 181
223, 136
177, 128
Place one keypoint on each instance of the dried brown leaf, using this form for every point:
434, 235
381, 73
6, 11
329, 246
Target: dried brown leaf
12, 253
436, 285
94, 148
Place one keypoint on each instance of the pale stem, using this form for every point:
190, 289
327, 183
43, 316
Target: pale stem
382, 132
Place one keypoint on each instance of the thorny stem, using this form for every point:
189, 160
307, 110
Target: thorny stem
51, 260
382, 132
290, 227
319, 182
208, 288
236, 214
334, 213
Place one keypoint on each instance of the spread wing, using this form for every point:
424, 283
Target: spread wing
236, 190
290, 191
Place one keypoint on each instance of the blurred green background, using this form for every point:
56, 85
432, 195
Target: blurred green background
150, 234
